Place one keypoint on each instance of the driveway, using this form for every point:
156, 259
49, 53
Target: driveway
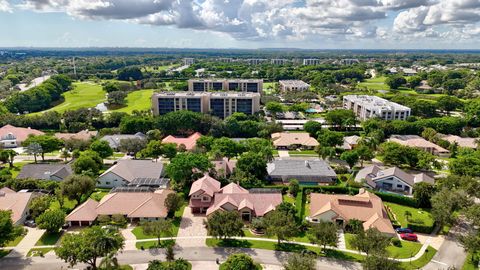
191, 225
451, 253
283, 153
130, 238
27, 243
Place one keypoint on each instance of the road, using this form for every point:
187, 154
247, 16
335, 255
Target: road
451, 253
191, 254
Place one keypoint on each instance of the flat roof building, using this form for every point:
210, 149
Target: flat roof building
188, 61
278, 61
237, 85
311, 62
293, 85
220, 104
255, 61
366, 107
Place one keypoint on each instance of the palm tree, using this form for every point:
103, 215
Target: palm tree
110, 262
65, 154
34, 149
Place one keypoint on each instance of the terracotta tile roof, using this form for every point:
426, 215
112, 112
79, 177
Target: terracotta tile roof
365, 206
84, 212
417, 142
226, 166
207, 184
260, 203
21, 134
17, 202
189, 142
232, 188
83, 135
130, 204
285, 139
462, 142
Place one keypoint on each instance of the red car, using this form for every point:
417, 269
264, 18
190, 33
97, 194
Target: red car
409, 236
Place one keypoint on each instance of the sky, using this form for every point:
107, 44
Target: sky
309, 24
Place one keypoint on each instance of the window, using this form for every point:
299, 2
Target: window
107, 183
399, 185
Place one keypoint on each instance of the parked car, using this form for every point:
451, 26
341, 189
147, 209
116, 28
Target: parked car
404, 230
409, 236
30, 223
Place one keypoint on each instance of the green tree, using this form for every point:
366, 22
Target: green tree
340, 118
312, 127
47, 143
132, 145
224, 224
158, 228
296, 261
395, 81
7, 229
102, 148
365, 153
205, 143
76, 186
449, 103
280, 224
274, 107
226, 147
371, 241
152, 150
169, 150
293, 187
181, 167
39, 205
445, 202
379, 261
89, 245
89, 162
254, 164
351, 157
240, 261
173, 202
34, 149
422, 193
51, 220
323, 234
329, 138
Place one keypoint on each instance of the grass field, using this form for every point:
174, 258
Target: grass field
407, 250
377, 83
269, 87
49, 239
83, 95
99, 193
36, 252
137, 100
419, 216
15, 241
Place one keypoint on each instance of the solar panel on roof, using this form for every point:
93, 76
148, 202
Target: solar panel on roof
154, 182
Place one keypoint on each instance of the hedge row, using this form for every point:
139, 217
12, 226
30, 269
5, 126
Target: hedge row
421, 228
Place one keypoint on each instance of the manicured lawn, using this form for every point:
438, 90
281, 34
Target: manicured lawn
407, 250
4, 252
99, 193
302, 237
138, 231
303, 152
15, 241
289, 199
470, 264
422, 261
49, 239
154, 244
377, 83
282, 247
83, 95
137, 100
67, 204
419, 216
35, 252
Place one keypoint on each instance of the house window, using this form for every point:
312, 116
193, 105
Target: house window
314, 220
107, 183
205, 199
399, 186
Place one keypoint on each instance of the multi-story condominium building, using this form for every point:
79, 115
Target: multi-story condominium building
366, 107
278, 61
293, 85
348, 62
220, 104
238, 85
225, 60
255, 61
311, 62
188, 61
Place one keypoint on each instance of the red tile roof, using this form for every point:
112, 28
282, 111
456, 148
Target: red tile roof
189, 142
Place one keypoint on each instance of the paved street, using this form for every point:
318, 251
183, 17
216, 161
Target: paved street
198, 254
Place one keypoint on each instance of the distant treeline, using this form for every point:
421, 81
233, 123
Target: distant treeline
40, 97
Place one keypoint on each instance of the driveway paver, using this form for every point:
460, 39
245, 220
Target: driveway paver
27, 243
191, 225
130, 238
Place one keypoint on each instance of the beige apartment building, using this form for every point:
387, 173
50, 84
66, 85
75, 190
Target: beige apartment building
237, 85
293, 85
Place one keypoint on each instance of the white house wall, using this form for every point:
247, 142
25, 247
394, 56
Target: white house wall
111, 180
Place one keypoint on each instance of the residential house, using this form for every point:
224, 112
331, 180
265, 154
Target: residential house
188, 142
126, 171
136, 205
17, 202
293, 140
392, 179
461, 141
365, 206
114, 140
305, 171
52, 171
419, 143
83, 135
350, 142
206, 196
11, 137
224, 167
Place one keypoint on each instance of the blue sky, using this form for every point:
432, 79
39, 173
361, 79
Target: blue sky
316, 24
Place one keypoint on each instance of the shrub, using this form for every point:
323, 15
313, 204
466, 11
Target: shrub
396, 242
103, 219
341, 170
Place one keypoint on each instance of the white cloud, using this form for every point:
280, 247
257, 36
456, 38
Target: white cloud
5, 6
